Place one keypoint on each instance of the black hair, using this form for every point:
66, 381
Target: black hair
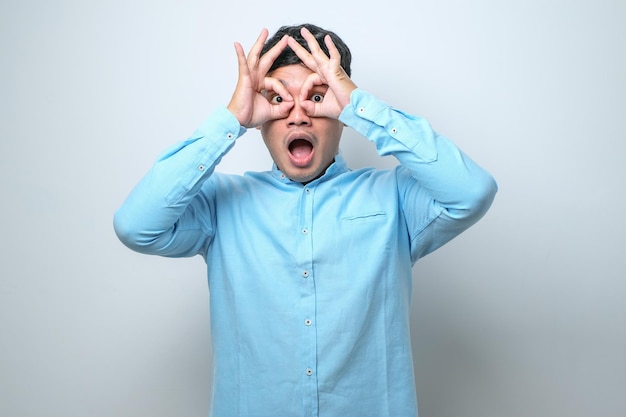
289, 57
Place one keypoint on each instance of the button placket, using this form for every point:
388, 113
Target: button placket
308, 300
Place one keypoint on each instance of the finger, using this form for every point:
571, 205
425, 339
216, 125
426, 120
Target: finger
335, 59
314, 109
312, 80
280, 111
304, 55
242, 66
270, 56
314, 46
332, 49
316, 50
327, 108
241, 58
309, 108
272, 84
255, 51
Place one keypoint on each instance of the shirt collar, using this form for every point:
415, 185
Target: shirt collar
339, 166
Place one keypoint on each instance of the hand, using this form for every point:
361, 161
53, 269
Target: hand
248, 104
326, 71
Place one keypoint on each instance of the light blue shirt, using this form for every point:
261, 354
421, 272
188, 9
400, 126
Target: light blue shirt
310, 285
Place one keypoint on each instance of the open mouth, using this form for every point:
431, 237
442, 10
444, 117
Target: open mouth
300, 151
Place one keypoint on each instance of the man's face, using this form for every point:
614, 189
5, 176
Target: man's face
301, 146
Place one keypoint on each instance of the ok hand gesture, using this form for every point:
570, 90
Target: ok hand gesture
326, 71
248, 104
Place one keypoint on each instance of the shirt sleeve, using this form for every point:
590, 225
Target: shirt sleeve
161, 214
442, 191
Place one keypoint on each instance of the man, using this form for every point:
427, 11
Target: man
309, 264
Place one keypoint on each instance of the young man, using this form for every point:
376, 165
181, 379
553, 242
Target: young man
309, 264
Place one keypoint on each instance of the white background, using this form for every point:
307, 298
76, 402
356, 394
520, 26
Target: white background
523, 315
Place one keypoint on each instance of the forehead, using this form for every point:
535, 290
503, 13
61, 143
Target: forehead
291, 75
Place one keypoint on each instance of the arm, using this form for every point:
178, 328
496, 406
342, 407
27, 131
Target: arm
161, 214
158, 217
443, 191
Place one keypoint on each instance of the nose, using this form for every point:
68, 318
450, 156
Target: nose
298, 116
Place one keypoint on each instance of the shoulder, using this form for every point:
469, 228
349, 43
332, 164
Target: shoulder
373, 177
234, 186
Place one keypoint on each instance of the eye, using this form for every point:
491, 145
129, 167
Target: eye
317, 97
276, 99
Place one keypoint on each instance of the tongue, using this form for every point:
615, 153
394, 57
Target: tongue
300, 148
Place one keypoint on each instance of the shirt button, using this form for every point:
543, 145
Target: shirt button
361, 109
308, 322
394, 130
309, 371
307, 190
305, 231
230, 136
305, 274
201, 167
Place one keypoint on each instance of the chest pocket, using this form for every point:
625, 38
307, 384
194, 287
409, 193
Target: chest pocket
373, 216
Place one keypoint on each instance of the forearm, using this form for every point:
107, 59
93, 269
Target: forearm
147, 219
455, 181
